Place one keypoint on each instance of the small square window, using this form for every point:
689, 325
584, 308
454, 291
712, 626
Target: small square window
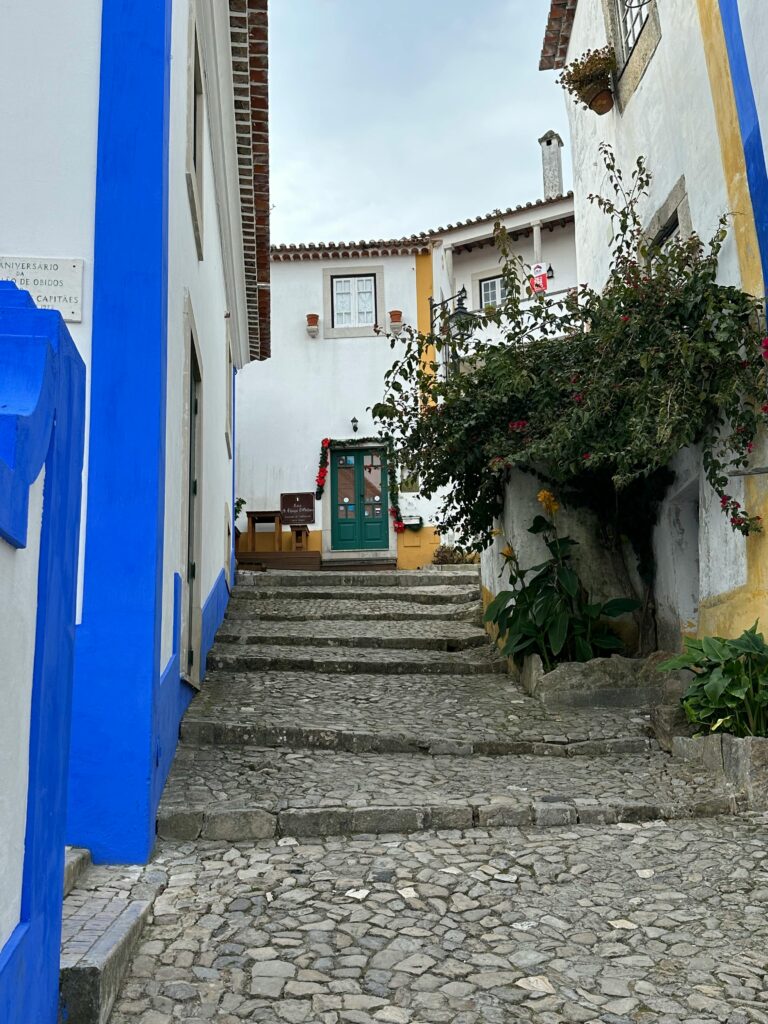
493, 291
353, 301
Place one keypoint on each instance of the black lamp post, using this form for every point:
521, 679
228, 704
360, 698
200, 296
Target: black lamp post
460, 323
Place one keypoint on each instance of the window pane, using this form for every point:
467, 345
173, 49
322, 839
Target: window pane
633, 14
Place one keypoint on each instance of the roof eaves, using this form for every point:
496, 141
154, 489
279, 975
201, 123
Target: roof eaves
554, 51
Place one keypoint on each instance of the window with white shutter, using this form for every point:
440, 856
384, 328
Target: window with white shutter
354, 301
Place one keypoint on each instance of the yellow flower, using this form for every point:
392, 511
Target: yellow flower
508, 551
548, 502
496, 533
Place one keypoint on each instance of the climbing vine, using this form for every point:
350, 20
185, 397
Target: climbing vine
595, 391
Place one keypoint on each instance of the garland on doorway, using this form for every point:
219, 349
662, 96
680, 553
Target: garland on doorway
394, 491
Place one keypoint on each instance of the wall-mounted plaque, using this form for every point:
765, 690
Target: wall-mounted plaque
297, 508
52, 282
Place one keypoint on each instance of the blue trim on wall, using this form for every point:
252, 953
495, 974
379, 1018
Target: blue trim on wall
43, 410
172, 700
749, 125
213, 615
117, 665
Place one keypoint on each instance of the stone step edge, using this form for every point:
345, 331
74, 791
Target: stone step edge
346, 664
339, 578
233, 824
89, 988
374, 643
469, 597
436, 613
76, 861
202, 731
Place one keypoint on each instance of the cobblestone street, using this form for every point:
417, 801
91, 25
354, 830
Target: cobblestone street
368, 821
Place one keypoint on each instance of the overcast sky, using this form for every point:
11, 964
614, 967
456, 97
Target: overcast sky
389, 117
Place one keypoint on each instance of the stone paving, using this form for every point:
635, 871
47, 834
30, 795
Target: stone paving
375, 836
447, 713
622, 924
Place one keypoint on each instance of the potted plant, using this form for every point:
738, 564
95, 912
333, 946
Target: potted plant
589, 79
313, 319
395, 316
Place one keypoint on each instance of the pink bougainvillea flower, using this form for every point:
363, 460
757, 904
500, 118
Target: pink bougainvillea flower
764, 408
518, 425
724, 500
750, 446
586, 456
625, 319
578, 397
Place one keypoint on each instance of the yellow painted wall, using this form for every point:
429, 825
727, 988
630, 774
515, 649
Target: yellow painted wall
415, 548
729, 613
265, 540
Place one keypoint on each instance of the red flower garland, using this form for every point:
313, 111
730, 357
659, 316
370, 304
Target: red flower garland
322, 472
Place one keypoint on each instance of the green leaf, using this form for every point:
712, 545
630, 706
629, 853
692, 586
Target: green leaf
714, 649
558, 632
608, 642
569, 581
583, 649
620, 606
539, 525
496, 605
715, 685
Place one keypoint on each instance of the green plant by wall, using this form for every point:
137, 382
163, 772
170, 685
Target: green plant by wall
447, 554
593, 392
729, 691
592, 70
548, 611
239, 506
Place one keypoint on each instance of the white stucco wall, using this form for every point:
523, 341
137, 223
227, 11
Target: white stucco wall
754, 24
49, 101
670, 120
311, 388
199, 285
18, 614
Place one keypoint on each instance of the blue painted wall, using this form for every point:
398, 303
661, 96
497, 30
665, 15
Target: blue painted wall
114, 757
42, 403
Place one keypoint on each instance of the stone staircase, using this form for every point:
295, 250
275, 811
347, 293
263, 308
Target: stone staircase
346, 703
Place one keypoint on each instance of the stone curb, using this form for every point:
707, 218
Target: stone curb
76, 861
240, 824
89, 985
339, 662
197, 731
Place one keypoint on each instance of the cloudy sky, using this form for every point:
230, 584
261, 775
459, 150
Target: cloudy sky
389, 117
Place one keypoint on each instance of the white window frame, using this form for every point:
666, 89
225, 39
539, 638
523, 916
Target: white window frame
196, 125
355, 314
632, 18
330, 274
497, 280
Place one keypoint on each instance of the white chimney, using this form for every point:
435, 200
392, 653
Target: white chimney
552, 163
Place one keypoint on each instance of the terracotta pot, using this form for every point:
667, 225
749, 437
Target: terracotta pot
599, 97
396, 316
313, 319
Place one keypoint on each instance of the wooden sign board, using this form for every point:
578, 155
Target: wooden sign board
297, 508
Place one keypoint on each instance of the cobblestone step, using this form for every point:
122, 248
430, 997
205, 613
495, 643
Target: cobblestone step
76, 861
368, 580
269, 609
458, 714
435, 636
104, 917
266, 657
256, 793
351, 595
658, 922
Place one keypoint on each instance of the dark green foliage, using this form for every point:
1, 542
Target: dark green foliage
729, 692
548, 611
594, 392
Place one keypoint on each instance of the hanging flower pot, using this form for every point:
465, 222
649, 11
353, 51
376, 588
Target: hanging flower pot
589, 79
313, 319
396, 316
599, 97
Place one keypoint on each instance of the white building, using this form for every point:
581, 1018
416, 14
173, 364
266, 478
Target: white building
134, 198
700, 124
323, 379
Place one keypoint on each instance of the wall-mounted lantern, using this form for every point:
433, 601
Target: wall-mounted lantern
355, 424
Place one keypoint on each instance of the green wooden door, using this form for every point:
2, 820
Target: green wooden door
360, 516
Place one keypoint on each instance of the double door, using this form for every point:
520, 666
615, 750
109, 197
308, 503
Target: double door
360, 516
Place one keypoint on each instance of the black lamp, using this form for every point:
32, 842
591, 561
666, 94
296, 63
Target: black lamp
355, 424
